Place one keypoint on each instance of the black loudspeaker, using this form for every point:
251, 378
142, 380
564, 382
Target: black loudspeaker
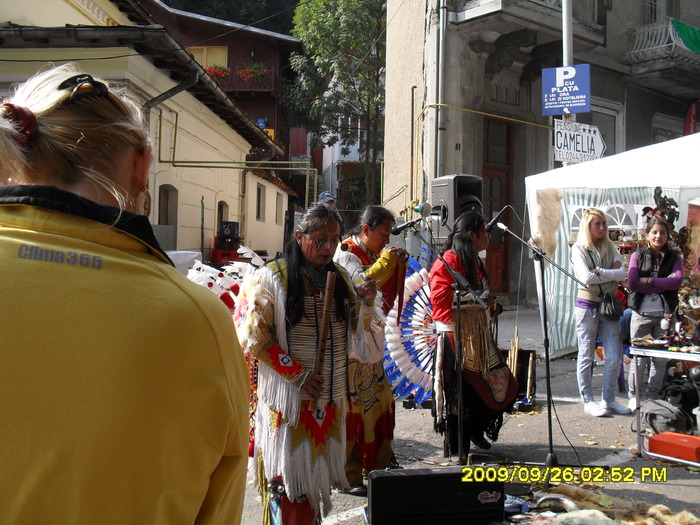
451, 195
228, 229
433, 495
228, 236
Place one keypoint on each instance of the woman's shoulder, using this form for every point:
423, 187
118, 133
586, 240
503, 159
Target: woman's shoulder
578, 250
181, 299
448, 256
451, 256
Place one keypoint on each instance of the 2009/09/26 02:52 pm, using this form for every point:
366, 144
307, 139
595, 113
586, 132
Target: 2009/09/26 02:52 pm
530, 474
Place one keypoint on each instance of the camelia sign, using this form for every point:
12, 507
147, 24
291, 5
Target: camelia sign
576, 142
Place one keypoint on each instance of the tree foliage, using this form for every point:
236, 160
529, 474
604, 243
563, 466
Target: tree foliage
273, 15
340, 80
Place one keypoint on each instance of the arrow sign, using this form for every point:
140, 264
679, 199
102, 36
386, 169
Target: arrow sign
576, 142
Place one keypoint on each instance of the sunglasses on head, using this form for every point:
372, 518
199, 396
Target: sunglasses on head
83, 86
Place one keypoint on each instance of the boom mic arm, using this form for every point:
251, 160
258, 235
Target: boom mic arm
425, 210
397, 229
492, 224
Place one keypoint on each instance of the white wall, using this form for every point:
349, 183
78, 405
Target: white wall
263, 234
190, 138
404, 69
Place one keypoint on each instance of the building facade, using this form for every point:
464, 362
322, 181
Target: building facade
200, 136
464, 96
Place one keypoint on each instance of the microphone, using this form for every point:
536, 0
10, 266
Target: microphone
425, 210
395, 230
491, 225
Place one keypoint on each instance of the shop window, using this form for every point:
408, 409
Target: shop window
260, 202
221, 213
166, 228
658, 10
210, 55
496, 143
665, 127
167, 205
278, 208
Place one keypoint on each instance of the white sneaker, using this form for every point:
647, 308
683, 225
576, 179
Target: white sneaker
618, 408
632, 404
595, 409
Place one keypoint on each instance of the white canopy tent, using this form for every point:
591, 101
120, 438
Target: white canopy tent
621, 185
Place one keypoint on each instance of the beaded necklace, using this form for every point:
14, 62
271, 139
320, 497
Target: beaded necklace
317, 277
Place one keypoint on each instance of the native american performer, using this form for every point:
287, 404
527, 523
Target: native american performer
301, 452
486, 382
370, 424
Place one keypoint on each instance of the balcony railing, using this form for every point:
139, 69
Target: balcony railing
659, 41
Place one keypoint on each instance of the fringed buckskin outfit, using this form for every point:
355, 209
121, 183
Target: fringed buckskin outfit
301, 450
370, 423
477, 346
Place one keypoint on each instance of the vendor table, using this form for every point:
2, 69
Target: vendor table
638, 352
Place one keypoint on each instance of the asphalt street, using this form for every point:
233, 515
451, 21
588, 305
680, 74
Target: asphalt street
577, 439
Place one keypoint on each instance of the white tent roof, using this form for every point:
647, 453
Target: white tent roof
671, 164
624, 182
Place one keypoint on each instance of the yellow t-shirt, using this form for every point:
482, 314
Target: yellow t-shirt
124, 390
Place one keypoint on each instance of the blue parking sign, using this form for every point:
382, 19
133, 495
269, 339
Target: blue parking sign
566, 90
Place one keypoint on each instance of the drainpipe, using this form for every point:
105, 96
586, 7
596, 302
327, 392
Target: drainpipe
201, 226
185, 85
440, 135
413, 132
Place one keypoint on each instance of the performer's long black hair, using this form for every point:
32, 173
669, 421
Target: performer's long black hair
314, 218
373, 216
460, 243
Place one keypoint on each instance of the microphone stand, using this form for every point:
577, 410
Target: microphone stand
460, 285
539, 256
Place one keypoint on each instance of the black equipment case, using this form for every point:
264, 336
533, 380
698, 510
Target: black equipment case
432, 496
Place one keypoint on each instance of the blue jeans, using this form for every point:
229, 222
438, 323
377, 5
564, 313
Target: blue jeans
589, 326
625, 325
641, 325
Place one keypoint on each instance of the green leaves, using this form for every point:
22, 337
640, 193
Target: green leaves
339, 90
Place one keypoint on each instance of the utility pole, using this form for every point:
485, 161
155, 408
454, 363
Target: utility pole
567, 40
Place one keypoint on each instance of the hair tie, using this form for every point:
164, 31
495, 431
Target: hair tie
24, 121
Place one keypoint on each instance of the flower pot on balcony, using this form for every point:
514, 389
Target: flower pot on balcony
253, 73
219, 73
257, 155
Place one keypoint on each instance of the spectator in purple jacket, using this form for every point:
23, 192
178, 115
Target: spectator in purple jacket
655, 274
